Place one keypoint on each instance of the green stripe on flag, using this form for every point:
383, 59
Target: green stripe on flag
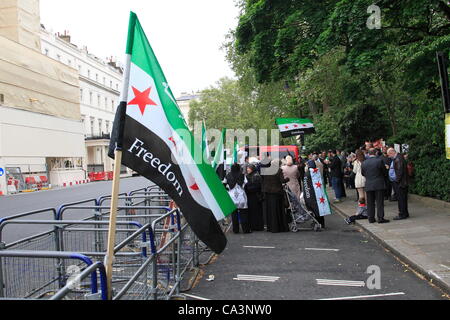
281, 121
143, 56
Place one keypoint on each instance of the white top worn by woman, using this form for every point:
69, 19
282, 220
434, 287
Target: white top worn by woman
360, 180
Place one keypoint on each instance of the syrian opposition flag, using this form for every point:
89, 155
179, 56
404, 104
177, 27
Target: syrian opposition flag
290, 127
218, 163
205, 148
316, 198
156, 142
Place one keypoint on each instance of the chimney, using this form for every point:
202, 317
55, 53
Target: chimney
20, 22
65, 36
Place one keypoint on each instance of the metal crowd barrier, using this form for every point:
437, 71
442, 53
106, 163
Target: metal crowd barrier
36, 274
154, 249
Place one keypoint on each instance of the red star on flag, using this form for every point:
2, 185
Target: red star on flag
173, 141
287, 127
194, 187
142, 99
304, 126
295, 126
316, 170
318, 185
322, 200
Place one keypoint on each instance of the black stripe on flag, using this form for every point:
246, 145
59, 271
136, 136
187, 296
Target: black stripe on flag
141, 148
310, 195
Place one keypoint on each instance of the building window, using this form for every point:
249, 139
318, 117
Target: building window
104, 81
107, 127
89, 73
112, 105
117, 86
69, 62
106, 103
110, 84
100, 131
58, 57
79, 68
90, 98
92, 126
46, 52
81, 95
98, 100
96, 77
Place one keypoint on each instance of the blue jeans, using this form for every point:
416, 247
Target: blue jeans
337, 184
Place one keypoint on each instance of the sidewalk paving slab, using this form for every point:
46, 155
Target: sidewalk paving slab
422, 241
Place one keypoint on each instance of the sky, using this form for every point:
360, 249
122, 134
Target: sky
186, 35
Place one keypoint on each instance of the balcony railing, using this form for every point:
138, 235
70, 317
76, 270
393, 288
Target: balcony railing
104, 136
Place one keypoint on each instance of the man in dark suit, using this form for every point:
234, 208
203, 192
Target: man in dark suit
387, 163
335, 166
398, 174
373, 170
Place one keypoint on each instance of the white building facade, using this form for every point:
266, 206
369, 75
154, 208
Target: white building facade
41, 136
100, 85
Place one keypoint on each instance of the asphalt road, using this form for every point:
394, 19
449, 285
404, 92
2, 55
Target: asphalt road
27, 202
299, 264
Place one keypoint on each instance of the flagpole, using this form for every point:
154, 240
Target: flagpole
109, 258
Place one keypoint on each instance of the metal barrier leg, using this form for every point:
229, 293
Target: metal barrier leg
59, 242
2, 284
178, 274
155, 279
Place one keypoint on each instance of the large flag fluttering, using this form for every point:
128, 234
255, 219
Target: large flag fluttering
156, 142
290, 127
316, 198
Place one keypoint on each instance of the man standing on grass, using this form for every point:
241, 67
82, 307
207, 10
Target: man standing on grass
373, 170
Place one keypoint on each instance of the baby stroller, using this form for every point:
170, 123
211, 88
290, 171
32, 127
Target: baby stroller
299, 213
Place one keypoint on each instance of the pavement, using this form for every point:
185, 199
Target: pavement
308, 265
422, 241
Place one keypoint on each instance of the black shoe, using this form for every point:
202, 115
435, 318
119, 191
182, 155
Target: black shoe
383, 221
400, 218
372, 220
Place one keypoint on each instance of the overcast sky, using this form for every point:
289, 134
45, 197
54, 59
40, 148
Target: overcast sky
186, 35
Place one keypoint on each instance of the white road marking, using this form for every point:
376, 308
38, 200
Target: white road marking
347, 283
370, 296
443, 265
434, 274
194, 297
321, 249
243, 277
258, 247
256, 280
256, 276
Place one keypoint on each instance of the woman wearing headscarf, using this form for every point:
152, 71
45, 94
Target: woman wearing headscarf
235, 181
277, 219
291, 172
254, 197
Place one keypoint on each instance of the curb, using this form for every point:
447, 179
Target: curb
411, 264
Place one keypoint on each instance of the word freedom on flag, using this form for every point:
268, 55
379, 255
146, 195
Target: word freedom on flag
147, 129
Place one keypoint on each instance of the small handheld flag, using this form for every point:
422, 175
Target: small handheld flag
290, 127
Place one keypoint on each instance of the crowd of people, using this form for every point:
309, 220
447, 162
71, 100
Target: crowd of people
376, 175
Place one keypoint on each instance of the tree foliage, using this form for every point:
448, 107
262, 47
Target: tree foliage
319, 59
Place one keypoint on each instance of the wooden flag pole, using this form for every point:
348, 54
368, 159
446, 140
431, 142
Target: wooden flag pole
109, 259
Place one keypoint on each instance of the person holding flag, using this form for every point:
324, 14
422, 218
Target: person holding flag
219, 161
